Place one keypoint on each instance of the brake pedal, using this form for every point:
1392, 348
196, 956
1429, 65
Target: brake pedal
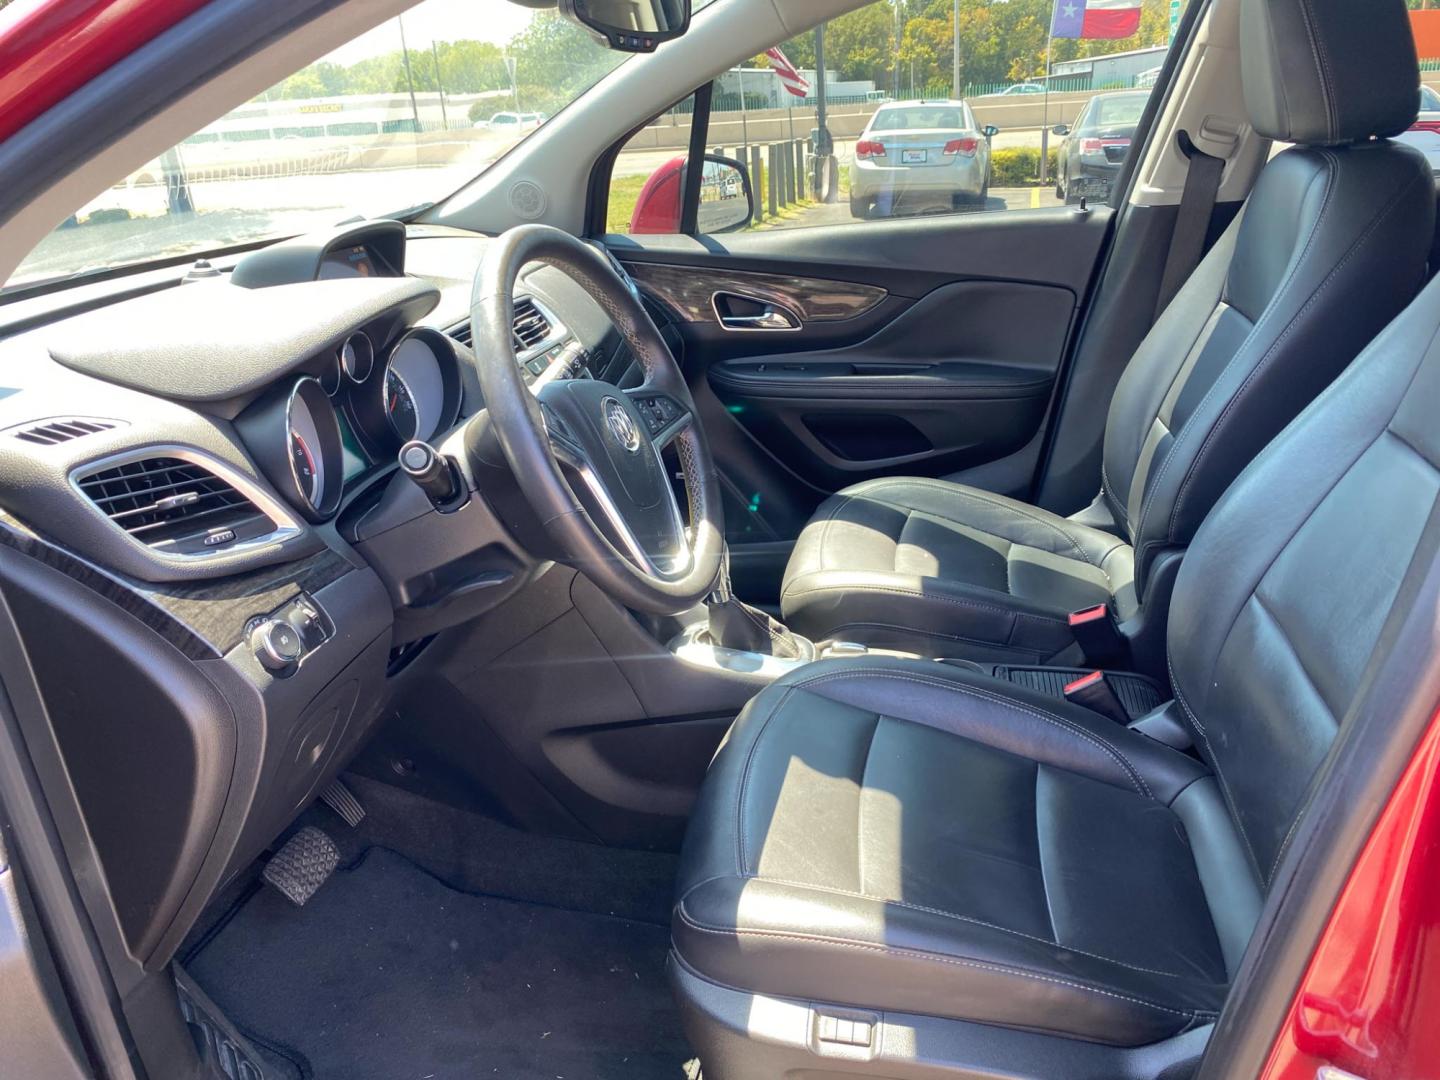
343, 801
302, 865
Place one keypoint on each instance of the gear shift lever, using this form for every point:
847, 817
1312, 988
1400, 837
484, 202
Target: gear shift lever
736, 625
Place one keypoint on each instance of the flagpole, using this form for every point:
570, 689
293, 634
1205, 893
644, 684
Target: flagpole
1045, 110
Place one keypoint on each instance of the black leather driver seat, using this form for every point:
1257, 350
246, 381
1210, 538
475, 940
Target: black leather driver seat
1329, 248
900, 867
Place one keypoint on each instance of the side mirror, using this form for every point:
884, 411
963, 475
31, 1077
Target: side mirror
990, 131
1060, 129
629, 25
727, 202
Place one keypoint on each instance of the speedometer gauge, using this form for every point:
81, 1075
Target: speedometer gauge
421, 386
400, 406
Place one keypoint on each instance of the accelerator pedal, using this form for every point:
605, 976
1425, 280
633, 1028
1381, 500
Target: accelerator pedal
343, 801
302, 865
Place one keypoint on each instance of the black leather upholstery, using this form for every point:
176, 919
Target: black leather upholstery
913, 836
937, 568
1331, 245
1327, 72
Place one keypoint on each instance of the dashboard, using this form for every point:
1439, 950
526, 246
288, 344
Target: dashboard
199, 493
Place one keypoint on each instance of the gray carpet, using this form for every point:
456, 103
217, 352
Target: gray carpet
390, 974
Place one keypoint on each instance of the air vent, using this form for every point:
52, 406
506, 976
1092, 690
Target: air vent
461, 333
174, 505
62, 429
531, 327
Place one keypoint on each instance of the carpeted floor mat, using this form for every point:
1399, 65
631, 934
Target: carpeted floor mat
389, 974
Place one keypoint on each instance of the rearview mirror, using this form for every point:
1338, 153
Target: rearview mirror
630, 25
990, 131
1060, 129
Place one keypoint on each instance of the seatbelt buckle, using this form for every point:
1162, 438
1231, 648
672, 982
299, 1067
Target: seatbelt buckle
1099, 636
1095, 693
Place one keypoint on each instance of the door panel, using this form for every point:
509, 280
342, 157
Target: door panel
950, 370
960, 378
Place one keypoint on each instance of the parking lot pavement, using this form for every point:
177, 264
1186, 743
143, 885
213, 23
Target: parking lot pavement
838, 213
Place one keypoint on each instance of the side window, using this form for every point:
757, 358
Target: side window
878, 114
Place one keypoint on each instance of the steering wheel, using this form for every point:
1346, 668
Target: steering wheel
585, 438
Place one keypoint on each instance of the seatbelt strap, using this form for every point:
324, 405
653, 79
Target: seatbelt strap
1192, 224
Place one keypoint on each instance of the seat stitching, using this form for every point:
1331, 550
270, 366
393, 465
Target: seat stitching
847, 943
938, 634
1147, 504
1322, 68
964, 492
1290, 327
1284, 845
860, 803
841, 502
1100, 743
963, 918
1214, 762
741, 854
978, 605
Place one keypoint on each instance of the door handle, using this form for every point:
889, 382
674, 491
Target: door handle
771, 316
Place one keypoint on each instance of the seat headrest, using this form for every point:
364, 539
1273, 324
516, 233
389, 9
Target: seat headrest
1327, 72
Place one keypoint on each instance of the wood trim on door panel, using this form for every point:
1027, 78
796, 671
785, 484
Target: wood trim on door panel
687, 292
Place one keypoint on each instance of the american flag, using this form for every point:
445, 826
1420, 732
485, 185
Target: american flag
790, 78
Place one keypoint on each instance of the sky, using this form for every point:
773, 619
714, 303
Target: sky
440, 20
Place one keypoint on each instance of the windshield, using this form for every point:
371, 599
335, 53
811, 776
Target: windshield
402, 115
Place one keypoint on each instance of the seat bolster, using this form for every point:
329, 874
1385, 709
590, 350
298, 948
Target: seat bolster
926, 615
794, 939
937, 568
1001, 715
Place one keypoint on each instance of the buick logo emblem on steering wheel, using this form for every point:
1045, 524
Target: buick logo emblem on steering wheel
620, 425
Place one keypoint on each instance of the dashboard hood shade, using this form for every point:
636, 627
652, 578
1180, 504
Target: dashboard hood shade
213, 342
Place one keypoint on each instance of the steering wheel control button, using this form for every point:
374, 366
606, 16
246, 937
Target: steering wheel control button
658, 412
278, 646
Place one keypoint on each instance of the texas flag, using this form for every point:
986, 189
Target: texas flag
1095, 18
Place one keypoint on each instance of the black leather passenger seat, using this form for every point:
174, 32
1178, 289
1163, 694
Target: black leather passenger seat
1330, 246
931, 848
909, 869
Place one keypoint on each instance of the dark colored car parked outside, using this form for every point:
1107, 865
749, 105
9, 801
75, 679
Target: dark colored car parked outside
1096, 145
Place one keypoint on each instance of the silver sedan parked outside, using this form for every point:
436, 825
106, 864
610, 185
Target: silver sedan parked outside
919, 156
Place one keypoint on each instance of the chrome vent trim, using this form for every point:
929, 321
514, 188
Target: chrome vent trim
535, 329
531, 327
61, 429
170, 499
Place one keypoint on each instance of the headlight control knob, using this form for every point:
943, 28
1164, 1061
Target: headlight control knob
278, 646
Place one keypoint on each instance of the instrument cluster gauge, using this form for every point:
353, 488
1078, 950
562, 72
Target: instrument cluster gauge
333, 377
400, 405
357, 357
313, 448
420, 393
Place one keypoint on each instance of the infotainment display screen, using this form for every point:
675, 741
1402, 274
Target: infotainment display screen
347, 263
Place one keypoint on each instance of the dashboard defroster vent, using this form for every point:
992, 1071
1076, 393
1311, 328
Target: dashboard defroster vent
174, 505
62, 429
531, 327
